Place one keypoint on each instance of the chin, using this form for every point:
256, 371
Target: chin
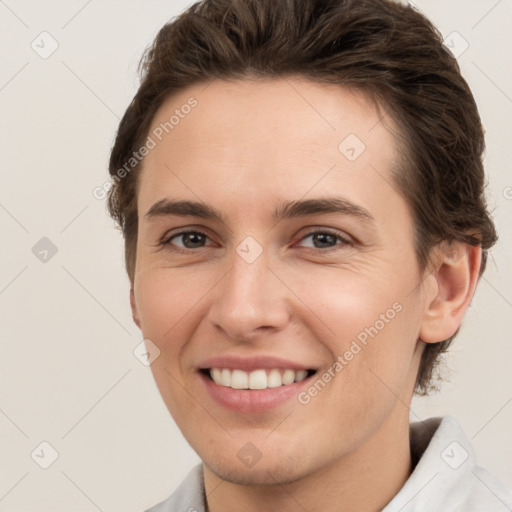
269, 472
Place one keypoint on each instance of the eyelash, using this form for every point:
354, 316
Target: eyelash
166, 240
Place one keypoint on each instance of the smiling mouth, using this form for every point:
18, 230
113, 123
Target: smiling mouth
256, 379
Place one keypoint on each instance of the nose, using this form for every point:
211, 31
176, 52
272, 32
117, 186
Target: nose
250, 300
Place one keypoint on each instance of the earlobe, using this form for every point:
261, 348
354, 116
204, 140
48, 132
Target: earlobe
455, 278
135, 313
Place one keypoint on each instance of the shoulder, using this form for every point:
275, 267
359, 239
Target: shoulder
483, 491
446, 476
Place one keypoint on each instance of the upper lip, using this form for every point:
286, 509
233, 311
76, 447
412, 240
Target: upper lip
260, 362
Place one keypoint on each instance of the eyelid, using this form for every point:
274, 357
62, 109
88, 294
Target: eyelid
166, 239
340, 235
345, 239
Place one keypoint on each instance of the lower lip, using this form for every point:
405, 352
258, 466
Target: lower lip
252, 400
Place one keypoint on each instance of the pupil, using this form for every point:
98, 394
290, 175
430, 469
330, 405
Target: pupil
325, 238
193, 239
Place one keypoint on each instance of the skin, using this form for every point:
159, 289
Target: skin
245, 148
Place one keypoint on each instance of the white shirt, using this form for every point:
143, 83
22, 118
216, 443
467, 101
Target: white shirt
445, 479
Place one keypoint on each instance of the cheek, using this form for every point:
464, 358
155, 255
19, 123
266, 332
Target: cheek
369, 321
165, 300
344, 300
166, 294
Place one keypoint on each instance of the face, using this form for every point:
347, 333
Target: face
276, 273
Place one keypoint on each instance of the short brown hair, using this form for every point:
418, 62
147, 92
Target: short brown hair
386, 49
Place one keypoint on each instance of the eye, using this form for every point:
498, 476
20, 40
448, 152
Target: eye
192, 239
189, 240
324, 239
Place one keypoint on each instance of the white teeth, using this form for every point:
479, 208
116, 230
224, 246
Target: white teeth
257, 379
216, 374
300, 375
225, 378
288, 377
239, 379
274, 379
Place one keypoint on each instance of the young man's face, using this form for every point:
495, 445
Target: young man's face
255, 291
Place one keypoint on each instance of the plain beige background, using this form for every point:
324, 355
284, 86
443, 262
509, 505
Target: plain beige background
68, 375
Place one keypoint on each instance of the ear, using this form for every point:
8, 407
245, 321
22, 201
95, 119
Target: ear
454, 279
135, 313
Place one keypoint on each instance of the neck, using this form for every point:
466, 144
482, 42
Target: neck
365, 480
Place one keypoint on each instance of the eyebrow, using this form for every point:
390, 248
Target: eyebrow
286, 210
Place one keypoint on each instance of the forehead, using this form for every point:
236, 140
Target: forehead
265, 135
